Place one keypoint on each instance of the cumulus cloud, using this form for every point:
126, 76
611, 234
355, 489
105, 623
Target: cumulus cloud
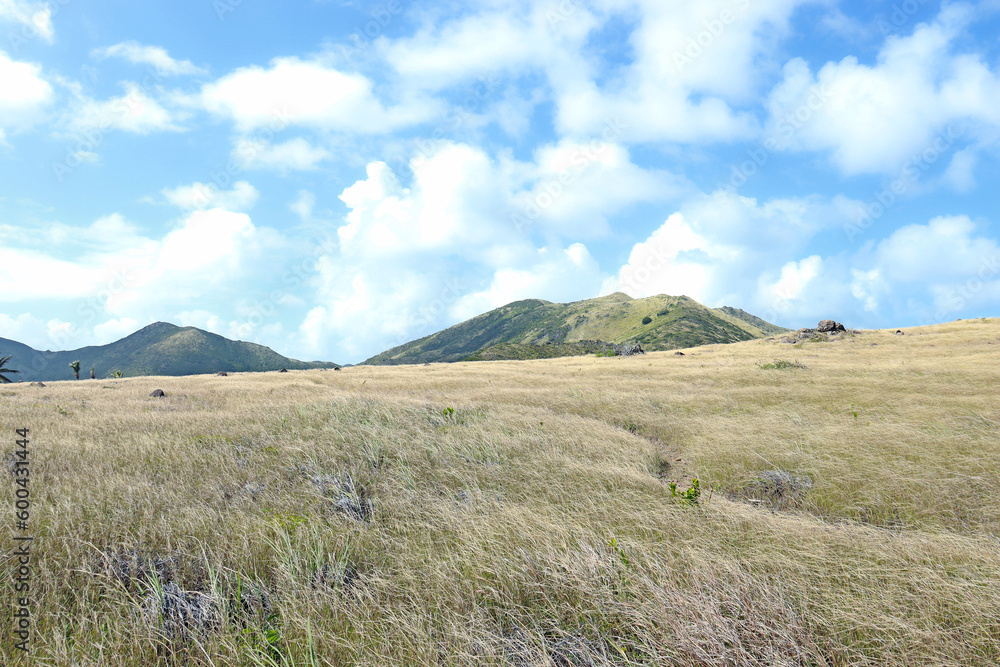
309, 93
451, 236
874, 118
708, 248
115, 329
154, 56
694, 64
23, 92
207, 257
560, 274
293, 155
35, 18
241, 197
134, 112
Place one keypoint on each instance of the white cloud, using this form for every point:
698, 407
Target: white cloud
690, 62
34, 17
25, 328
866, 286
115, 329
296, 92
458, 202
303, 205
874, 118
659, 265
453, 246
560, 274
708, 249
241, 197
210, 254
155, 56
693, 65
135, 112
29, 275
944, 250
575, 187
961, 171
296, 154
23, 92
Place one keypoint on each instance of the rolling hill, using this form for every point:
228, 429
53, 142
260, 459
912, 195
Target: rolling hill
534, 328
158, 349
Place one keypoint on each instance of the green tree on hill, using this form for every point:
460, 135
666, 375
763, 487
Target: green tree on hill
76, 369
4, 369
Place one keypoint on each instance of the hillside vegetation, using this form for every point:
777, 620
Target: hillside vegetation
515, 330
158, 349
521, 513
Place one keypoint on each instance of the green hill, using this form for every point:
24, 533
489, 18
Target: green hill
159, 349
534, 328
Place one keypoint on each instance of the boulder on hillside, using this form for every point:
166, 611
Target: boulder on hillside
283, 370
37, 384
157, 393
829, 326
223, 374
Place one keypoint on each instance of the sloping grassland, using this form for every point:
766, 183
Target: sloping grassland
520, 513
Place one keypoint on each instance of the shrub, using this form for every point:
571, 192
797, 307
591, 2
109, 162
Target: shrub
647, 319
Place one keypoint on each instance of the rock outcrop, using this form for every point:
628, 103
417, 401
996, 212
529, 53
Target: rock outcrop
830, 326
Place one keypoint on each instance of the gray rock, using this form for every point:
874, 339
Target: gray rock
351, 499
37, 384
157, 393
827, 326
776, 487
222, 374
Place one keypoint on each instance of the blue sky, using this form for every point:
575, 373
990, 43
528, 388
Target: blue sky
333, 178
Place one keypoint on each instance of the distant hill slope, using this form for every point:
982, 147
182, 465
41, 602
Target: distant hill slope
513, 331
159, 349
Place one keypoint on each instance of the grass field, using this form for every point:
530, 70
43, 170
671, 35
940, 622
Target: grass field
520, 513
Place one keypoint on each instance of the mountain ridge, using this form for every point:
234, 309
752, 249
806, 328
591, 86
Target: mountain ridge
160, 348
657, 322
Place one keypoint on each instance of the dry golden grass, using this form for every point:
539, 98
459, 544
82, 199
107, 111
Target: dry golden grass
518, 513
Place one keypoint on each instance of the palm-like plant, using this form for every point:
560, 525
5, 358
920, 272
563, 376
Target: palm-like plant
3, 369
76, 369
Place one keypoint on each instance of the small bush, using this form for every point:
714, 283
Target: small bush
647, 319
